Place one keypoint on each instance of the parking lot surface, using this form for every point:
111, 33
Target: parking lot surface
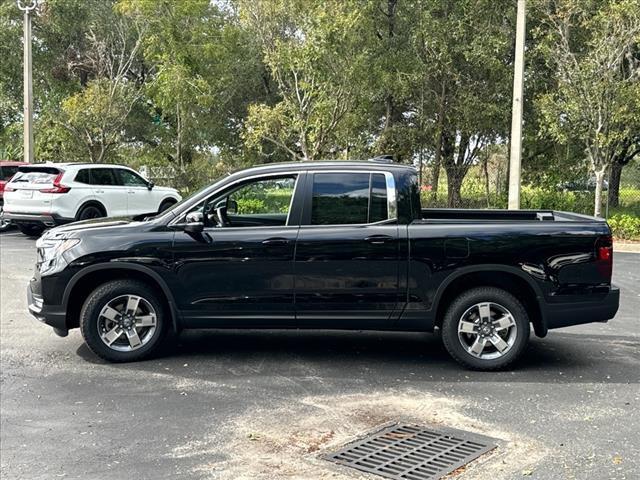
267, 405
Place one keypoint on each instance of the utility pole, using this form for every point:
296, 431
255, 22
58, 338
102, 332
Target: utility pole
28, 81
516, 110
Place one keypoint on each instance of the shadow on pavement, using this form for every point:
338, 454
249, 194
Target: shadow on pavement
386, 357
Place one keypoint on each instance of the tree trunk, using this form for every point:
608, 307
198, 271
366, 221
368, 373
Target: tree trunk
485, 167
454, 184
597, 211
614, 184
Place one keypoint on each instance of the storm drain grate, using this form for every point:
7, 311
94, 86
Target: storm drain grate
412, 452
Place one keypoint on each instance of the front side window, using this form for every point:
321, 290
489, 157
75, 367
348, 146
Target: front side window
348, 198
264, 197
257, 203
130, 179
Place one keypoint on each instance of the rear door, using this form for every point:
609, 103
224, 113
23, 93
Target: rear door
110, 191
347, 253
140, 199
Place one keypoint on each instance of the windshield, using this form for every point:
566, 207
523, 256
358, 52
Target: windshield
8, 171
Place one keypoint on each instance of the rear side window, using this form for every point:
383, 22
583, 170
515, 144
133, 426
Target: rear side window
348, 198
84, 176
103, 176
378, 204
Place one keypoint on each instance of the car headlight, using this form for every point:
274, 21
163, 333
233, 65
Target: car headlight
51, 252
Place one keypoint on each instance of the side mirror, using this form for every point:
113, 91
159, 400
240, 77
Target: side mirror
194, 222
150, 185
232, 206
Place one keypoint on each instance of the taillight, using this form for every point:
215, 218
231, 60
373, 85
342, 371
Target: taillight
57, 187
604, 256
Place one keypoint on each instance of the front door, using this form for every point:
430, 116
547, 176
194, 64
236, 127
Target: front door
140, 198
239, 271
347, 267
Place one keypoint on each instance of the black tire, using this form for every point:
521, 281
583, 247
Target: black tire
30, 230
464, 305
90, 211
165, 205
99, 299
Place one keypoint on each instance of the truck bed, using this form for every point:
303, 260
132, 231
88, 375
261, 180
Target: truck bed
439, 215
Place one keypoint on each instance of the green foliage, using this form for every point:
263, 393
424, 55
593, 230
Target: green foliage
195, 89
625, 227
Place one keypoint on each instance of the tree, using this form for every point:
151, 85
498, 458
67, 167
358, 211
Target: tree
311, 53
597, 100
465, 54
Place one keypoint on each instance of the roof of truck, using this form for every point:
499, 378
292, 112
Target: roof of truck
372, 164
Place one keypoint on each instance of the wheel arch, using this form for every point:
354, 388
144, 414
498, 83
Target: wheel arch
500, 276
168, 199
87, 280
91, 203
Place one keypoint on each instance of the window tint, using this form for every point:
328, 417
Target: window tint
84, 176
103, 176
340, 198
348, 198
130, 179
378, 204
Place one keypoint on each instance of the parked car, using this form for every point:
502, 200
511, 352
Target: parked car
585, 185
325, 245
45, 195
7, 170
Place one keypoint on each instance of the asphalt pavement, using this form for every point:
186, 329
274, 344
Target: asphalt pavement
269, 404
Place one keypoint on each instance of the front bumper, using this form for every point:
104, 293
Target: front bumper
46, 219
52, 315
576, 313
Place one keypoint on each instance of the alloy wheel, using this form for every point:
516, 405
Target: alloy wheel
127, 323
487, 330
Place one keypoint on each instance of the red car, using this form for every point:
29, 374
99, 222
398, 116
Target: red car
7, 170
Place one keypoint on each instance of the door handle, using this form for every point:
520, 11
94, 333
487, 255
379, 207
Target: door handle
378, 239
275, 241
131, 191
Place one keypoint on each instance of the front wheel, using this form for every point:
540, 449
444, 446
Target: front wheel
123, 321
485, 328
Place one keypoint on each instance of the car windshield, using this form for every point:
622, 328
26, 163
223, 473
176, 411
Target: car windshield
8, 171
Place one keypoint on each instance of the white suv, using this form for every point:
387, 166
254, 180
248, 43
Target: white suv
45, 195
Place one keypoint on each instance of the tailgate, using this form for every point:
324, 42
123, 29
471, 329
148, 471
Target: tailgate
26, 192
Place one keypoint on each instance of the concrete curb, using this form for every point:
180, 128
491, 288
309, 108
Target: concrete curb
626, 247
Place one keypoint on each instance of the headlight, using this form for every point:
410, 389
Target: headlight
51, 253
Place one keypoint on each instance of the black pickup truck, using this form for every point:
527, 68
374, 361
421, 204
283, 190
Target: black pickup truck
326, 245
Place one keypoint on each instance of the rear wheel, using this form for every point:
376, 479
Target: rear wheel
123, 321
30, 229
485, 328
89, 212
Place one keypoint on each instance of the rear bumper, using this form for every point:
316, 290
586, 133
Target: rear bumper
46, 219
576, 313
54, 316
